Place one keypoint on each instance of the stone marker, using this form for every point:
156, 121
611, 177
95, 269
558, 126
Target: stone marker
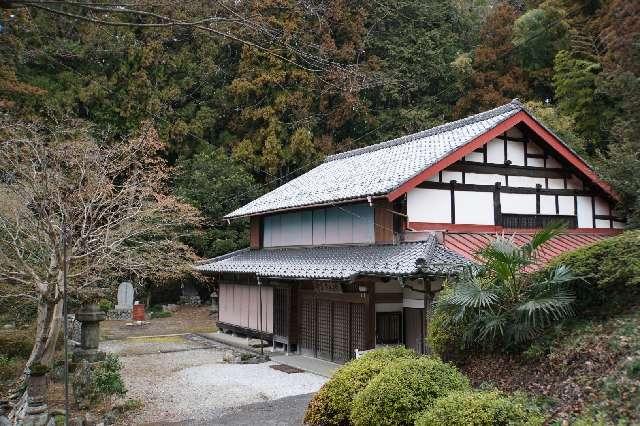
125, 295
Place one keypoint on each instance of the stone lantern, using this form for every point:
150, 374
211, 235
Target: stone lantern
89, 317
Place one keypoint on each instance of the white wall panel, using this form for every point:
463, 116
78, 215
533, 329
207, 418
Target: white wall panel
388, 307
535, 162
601, 223
518, 203
556, 183
618, 225
585, 215
474, 207
525, 181
534, 148
448, 176
495, 151
429, 205
565, 202
483, 179
515, 153
515, 132
475, 156
547, 204
434, 178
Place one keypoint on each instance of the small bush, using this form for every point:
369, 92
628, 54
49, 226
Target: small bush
333, 403
16, 343
403, 389
477, 409
160, 314
105, 305
443, 337
106, 378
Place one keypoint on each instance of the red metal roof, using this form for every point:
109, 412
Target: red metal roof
469, 243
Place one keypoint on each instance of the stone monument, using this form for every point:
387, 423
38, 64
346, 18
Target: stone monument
190, 295
124, 306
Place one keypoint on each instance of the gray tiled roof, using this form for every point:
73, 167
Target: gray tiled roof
377, 169
338, 262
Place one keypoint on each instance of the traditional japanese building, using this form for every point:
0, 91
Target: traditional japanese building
349, 254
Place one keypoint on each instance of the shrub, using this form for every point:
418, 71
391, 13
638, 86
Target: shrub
499, 304
16, 343
105, 305
613, 263
403, 389
333, 403
443, 336
106, 378
477, 409
159, 314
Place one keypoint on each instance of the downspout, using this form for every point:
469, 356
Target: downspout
260, 313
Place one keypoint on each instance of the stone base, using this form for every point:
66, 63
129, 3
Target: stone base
190, 300
89, 355
41, 419
121, 314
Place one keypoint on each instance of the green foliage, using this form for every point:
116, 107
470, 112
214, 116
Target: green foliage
499, 305
36, 369
403, 389
105, 305
478, 409
538, 34
106, 380
334, 401
608, 272
159, 314
443, 337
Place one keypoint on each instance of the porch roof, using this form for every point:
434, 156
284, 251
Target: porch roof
339, 262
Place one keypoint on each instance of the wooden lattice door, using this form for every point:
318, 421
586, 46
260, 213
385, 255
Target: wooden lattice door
307, 324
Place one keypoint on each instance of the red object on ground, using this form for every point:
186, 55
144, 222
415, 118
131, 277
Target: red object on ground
138, 312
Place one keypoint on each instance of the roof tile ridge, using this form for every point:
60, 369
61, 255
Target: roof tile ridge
515, 104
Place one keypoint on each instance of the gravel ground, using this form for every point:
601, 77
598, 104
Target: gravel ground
190, 384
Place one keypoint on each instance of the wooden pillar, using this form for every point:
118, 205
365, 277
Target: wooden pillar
428, 303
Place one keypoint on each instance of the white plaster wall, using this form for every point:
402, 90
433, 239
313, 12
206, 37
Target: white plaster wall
413, 303
535, 162
547, 204
601, 223
429, 205
474, 207
556, 183
618, 225
483, 179
434, 178
534, 148
565, 202
475, 156
495, 151
585, 216
525, 181
448, 176
515, 153
518, 203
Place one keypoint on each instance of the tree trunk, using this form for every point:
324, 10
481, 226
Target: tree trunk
48, 325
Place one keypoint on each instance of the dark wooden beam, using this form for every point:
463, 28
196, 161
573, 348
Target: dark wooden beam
528, 171
497, 206
452, 188
538, 189
504, 189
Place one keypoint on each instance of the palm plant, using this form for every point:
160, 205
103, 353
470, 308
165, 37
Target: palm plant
502, 302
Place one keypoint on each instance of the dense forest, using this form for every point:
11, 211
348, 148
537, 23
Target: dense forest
246, 95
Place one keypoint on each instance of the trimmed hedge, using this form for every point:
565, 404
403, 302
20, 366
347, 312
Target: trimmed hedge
402, 390
17, 343
478, 409
614, 261
333, 403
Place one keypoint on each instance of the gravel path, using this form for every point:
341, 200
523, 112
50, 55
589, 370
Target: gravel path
192, 384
